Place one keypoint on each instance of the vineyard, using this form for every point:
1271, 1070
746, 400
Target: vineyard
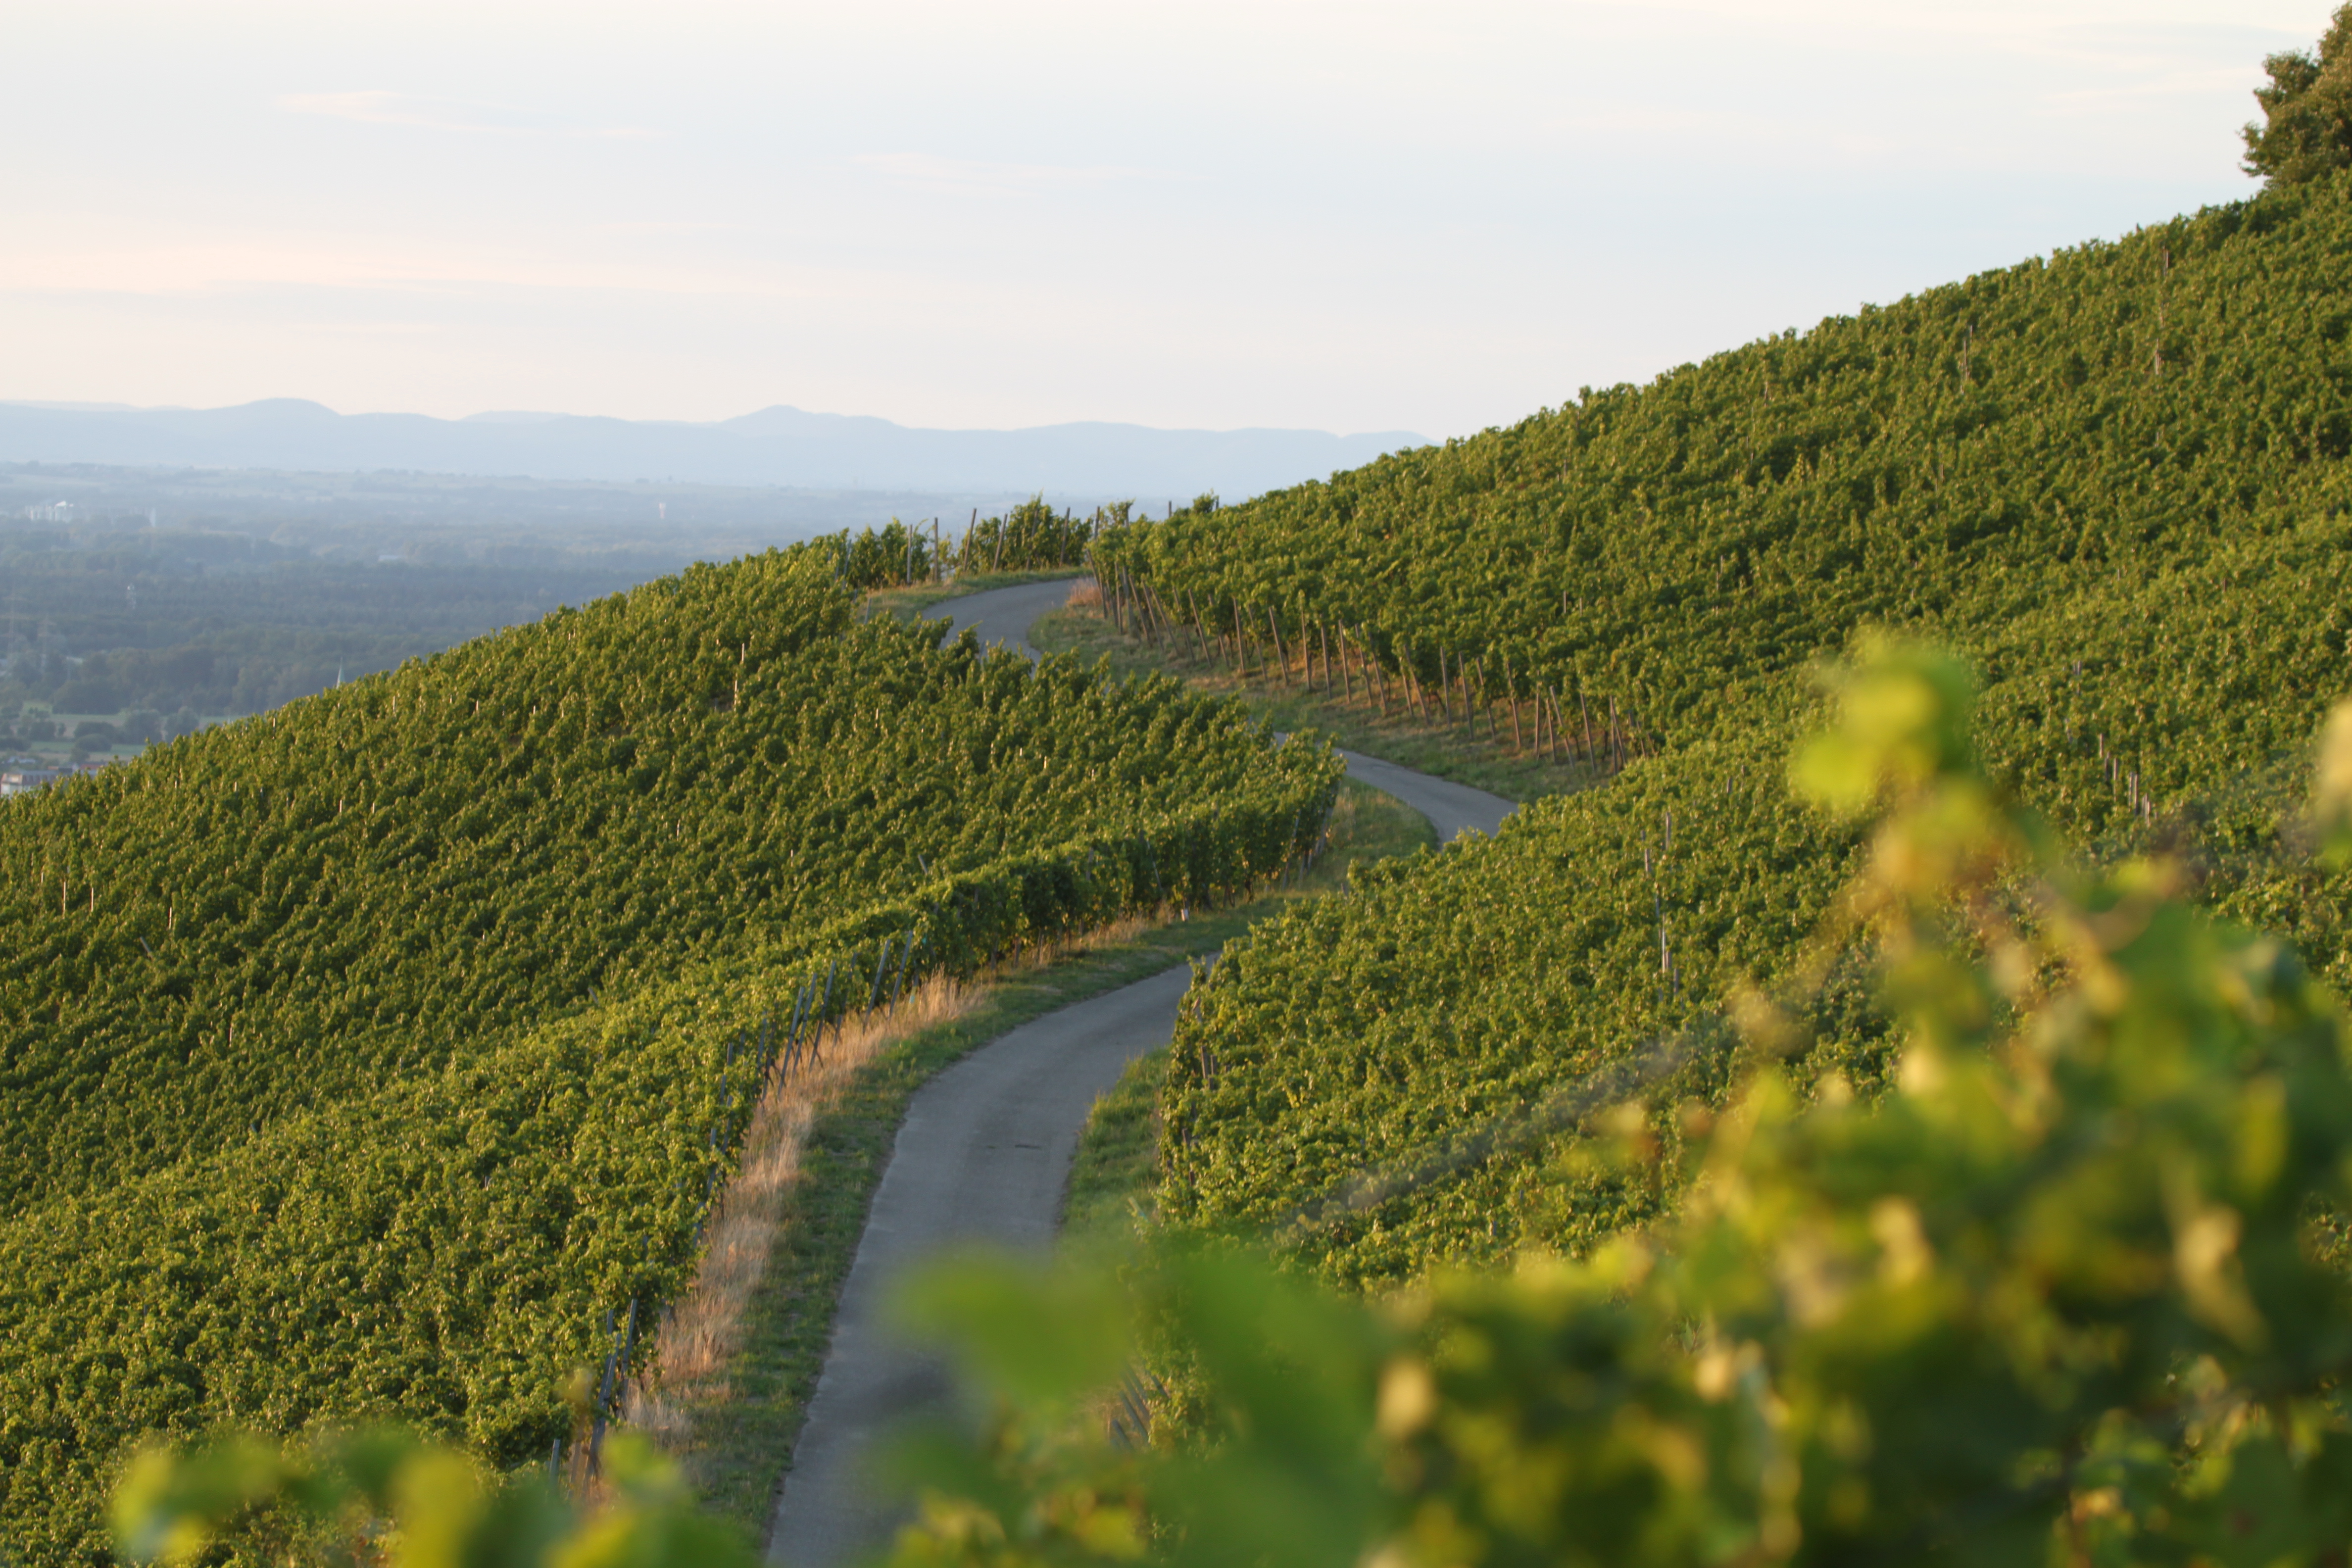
2114, 480
380, 1057
1030, 537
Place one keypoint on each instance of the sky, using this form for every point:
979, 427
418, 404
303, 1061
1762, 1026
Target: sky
1374, 215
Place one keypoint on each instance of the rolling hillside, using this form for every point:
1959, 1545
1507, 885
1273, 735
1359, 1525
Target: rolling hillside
2115, 479
371, 1057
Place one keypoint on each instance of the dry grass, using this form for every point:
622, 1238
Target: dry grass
1354, 716
1086, 593
701, 1336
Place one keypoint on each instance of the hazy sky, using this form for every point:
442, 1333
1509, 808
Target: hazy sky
995, 213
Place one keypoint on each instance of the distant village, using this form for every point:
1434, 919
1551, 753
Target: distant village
22, 775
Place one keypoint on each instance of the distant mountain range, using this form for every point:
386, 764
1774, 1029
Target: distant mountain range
777, 446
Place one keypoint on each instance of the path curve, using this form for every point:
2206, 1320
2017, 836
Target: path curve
984, 1156
1004, 616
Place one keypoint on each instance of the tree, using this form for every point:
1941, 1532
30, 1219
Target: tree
2307, 110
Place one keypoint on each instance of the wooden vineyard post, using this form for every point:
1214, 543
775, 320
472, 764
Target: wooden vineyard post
1587, 712
1323, 633
1241, 648
1281, 654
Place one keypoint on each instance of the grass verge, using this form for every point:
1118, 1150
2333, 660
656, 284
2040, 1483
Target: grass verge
1448, 750
738, 1452
1118, 1152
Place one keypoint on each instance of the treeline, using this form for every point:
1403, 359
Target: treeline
1032, 537
2115, 480
415, 1023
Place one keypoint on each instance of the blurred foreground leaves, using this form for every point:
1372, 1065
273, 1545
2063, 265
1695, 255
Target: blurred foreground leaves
383, 1498
2066, 1293
2070, 1292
